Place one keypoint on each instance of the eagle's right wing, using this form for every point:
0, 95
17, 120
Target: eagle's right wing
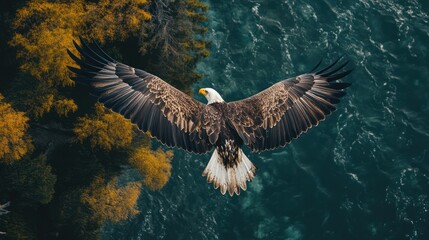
170, 115
282, 112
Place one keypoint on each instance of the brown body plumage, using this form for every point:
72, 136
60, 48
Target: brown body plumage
267, 120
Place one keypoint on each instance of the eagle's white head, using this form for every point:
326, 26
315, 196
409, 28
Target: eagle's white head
211, 95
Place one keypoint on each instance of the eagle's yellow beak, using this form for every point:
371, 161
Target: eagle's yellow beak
202, 91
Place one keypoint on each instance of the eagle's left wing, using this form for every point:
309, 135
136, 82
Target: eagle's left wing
282, 112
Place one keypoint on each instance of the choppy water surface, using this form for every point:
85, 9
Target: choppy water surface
361, 174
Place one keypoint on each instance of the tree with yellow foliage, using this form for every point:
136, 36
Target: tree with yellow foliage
111, 202
14, 143
115, 19
45, 29
104, 129
154, 166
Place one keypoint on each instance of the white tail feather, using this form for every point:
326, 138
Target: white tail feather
229, 178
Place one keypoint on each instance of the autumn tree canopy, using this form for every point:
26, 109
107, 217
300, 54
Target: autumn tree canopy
14, 143
110, 201
104, 129
154, 166
45, 29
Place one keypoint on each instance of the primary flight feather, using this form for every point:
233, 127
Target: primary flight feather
267, 120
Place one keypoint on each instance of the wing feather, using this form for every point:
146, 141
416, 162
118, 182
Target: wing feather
168, 114
282, 112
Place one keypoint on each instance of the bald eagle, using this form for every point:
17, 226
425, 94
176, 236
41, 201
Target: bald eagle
267, 120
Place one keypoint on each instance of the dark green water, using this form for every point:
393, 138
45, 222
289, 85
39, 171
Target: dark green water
361, 174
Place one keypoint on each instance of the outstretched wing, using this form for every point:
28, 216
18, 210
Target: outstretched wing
170, 115
282, 112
